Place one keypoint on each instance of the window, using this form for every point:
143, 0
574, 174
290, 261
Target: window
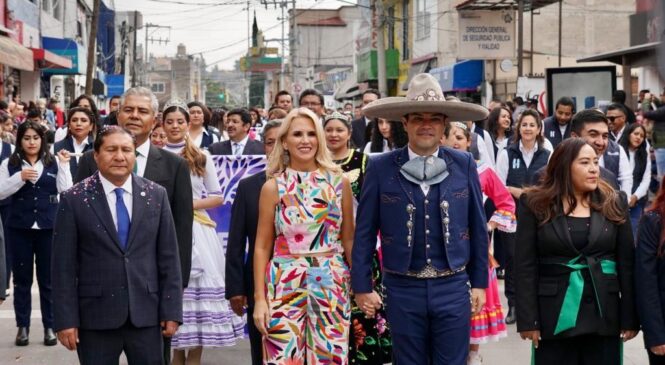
406, 53
423, 20
57, 9
157, 87
390, 21
46, 5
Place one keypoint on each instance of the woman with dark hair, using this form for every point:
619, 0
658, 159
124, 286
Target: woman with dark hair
650, 278
369, 342
84, 101
634, 142
158, 135
256, 117
500, 126
217, 123
32, 177
488, 325
386, 136
208, 320
199, 130
81, 131
528, 153
574, 263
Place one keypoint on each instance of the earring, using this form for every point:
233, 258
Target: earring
286, 158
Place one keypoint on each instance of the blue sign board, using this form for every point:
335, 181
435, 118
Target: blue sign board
115, 85
66, 47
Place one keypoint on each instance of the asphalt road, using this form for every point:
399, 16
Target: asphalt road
508, 351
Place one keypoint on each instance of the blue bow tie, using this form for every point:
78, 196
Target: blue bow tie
429, 170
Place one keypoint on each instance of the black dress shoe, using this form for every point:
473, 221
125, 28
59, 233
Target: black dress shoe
49, 337
510, 318
22, 336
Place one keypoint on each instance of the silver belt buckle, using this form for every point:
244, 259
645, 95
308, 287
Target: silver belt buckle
430, 272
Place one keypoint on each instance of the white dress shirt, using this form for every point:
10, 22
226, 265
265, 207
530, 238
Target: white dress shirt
238, 147
199, 138
142, 157
424, 187
78, 147
625, 172
111, 199
643, 188
9, 185
385, 148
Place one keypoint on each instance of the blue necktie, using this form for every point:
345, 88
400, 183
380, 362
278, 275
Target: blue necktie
122, 215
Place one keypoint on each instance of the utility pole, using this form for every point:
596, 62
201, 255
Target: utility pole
379, 21
283, 4
150, 39
520, 38
92, 48
134, 55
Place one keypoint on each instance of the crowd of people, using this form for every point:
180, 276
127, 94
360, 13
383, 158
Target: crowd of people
376, 234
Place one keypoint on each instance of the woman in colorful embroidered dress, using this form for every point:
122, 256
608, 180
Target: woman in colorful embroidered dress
306, 224
369, 338
207, 317
488, 325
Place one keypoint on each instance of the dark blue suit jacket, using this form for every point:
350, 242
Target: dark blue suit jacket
383, 200
649, 274
97, 285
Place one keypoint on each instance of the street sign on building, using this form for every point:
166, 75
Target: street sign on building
486, 34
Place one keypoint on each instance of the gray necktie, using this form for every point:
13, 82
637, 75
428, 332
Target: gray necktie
237, 148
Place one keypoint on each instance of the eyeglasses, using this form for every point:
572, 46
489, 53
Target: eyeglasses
612, 118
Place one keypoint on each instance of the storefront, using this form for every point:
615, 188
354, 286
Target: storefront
14, 59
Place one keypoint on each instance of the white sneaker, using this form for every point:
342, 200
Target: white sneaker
474, 358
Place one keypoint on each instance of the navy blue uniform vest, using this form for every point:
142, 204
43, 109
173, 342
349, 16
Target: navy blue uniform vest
427, 231
4, 154
611, 159
552, 131
206, 139
518, 174
35, 202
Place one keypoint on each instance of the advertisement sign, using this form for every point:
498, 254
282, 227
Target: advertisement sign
589, 87
67, 48
486, 34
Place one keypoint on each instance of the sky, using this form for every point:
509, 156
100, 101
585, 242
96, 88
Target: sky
216, 28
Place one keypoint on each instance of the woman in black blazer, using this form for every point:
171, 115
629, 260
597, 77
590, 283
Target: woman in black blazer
81, 130
650, 278
574, 263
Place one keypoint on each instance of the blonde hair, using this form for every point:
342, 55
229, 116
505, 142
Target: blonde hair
276, 163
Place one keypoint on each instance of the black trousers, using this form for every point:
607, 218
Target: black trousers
4, 213
580, 350
28, 246
508, 242
142, 346
255, 338
166, 345
655, 359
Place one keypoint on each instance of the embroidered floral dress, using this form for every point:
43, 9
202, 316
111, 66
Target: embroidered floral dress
369, 339
307, 280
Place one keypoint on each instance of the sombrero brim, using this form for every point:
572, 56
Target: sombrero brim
394, 108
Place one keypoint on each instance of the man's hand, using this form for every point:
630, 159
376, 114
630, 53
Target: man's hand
658, 350
69, 338
632, 201
534, 336
628, 334
168, 328
477, 300
369, 303
238, 304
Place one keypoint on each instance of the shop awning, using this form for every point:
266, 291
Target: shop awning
636, 56
462, 76
529, 5
418, 68
14, 55
348, 89
46, 59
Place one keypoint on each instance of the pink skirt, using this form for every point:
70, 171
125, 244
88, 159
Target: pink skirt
489, 325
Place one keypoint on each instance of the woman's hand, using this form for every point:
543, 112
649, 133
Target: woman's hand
63, 156
491, 226
261, 316
658, 350
534, 336
628, 334
29, 173
632, 201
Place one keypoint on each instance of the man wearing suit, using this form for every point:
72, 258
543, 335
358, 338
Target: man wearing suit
239, 143
138, 107
116, 286
427, 204
244, 221
361, 128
